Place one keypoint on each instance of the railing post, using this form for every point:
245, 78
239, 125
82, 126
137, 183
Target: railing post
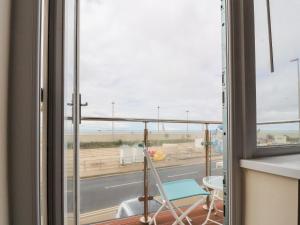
145, 219
207, 151
207, 159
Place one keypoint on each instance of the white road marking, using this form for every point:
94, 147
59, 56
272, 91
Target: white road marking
183, 174
121, 185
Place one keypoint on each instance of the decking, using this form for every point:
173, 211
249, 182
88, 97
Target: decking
198, 216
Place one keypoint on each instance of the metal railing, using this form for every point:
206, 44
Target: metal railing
278, 122
147, 120
206, 143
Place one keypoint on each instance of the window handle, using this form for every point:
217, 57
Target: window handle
270, 36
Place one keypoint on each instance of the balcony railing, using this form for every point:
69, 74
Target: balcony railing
146, 121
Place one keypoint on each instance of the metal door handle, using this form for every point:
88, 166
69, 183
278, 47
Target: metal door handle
81, 105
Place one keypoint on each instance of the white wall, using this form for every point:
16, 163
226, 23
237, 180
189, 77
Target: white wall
270, 199
4, 55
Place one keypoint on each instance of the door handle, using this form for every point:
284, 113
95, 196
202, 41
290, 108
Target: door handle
81, 105
72, 112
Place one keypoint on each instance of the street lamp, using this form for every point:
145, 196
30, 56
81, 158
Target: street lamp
158, 119
112, 122
296, 60
187, 122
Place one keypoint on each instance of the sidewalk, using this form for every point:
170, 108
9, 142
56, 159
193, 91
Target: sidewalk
106, 161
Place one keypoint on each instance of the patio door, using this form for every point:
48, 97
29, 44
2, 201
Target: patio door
72, 102
147, 59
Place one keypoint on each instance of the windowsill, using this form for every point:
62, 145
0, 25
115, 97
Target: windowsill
288, 165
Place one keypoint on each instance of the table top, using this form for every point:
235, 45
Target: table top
214, 182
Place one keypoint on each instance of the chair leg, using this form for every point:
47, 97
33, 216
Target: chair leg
191, 208
173, 212
188, 219
157, 212
210, 208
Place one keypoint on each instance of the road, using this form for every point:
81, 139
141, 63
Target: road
107, 191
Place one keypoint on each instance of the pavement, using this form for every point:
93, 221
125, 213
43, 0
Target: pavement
108, 191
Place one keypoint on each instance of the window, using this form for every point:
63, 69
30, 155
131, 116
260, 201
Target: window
277, 49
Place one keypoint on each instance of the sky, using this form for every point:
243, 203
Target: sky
277, 93
142, 54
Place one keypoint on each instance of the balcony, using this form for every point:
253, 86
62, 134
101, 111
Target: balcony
113, 170
198, 216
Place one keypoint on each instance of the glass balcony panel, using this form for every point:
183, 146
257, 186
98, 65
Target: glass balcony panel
111, 165
178, 152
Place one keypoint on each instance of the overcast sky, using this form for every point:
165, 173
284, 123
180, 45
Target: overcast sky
142, 54
147, 53
277, 93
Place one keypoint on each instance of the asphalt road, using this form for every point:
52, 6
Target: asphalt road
103, 192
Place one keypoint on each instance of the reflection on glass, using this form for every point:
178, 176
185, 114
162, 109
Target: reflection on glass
279, 134
277, 93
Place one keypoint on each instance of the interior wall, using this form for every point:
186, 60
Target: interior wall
270, 199
4, 55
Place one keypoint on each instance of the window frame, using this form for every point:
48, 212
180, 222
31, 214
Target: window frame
24, 112
276, 150
240, 105
270, 150
55, 156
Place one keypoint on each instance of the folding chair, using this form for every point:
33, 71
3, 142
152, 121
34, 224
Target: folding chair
215, 183
175, 190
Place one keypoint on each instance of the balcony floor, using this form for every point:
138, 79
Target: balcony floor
165, 218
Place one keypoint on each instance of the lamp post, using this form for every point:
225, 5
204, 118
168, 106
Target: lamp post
158, 119
112, 122
296, 60
187, 122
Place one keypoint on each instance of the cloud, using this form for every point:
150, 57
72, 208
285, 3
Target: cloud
141, 54
277, 93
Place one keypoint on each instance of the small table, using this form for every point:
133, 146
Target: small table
216, 184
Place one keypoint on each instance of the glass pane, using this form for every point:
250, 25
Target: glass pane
277, 93
178, 152
111, 170
69, 73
